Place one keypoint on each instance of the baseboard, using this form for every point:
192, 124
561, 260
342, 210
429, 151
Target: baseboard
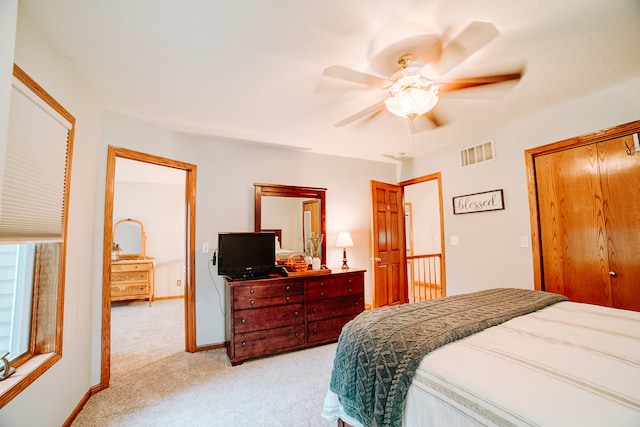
78, 407
209, 347
169, 297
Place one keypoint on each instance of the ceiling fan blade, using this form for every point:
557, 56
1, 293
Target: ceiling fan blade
469, 82
344, 73
375, 108
475, 36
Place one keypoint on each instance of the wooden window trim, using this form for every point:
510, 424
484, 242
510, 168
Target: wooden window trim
46, 353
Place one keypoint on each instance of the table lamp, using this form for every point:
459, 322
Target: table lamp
344, 241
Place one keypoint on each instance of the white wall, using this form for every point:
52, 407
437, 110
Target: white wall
59, 390
225, 177
489, 253
161, 209
425, 206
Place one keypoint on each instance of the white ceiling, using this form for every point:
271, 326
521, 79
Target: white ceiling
252, 70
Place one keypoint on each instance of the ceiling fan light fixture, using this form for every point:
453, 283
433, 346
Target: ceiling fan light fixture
412, 95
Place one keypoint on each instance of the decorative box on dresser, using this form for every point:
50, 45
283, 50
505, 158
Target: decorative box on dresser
276, 314
132, 280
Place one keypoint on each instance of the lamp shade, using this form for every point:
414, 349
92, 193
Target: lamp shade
344, 240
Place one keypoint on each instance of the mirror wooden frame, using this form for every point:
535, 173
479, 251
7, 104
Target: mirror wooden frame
277, 190
143, 240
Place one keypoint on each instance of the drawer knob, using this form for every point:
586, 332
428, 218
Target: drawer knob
296, 334
243, 321
321, 294
288, 287
288, 298
252, 302
322, 284
350, 290
252, 291
296, 313
349, 280
315, 310
244, 343
315, 331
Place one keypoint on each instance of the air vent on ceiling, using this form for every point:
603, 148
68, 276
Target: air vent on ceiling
477, 154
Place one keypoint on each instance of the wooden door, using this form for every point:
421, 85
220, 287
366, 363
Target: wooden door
572, 225
620, 182
588, 202
389, 261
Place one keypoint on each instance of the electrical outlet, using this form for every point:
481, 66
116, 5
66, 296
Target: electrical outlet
179, 283
205, 248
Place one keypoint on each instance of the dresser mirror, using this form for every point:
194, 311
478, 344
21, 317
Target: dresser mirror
293, 213
130, 238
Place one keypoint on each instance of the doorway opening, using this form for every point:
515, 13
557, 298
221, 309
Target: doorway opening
115, 153
408, 241
424, 237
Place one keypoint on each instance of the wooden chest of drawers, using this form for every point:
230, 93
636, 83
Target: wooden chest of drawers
277, 314
132, 280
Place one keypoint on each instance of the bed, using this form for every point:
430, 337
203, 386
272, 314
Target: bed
495, 357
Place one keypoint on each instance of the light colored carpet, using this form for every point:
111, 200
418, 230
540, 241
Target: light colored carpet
155, 383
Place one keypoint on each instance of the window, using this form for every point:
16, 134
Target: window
16, 291
34, 199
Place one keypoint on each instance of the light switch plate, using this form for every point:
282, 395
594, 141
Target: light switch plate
454, 240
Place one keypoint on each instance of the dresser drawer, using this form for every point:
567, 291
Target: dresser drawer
317, 310
268, 341
268, 317
349, 284
335, 286
129, 276
128, 290
130, 266
323, 288
327, 330
264, 295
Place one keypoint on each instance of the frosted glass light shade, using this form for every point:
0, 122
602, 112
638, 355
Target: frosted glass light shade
344, 240
412, 96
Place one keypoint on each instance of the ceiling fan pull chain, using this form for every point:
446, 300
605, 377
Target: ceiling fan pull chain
413, 135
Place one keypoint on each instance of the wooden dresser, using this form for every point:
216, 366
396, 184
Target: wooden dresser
132, 280
277, 314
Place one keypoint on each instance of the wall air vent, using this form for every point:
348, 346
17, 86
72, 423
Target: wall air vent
477, 154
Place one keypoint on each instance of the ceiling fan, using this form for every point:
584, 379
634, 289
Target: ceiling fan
415, 67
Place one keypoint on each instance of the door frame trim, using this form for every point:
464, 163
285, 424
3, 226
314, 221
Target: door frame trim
566, 144
190, 220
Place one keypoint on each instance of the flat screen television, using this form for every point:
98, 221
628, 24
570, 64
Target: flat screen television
247, 254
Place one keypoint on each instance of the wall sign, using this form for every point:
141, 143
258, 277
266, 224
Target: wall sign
478, 202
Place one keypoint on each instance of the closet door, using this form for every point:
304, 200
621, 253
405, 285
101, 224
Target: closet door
620, 183
589, 211
572, 225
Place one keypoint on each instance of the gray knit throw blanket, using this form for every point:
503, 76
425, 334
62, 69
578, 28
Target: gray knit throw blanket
379, 351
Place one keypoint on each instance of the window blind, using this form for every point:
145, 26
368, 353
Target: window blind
32, 203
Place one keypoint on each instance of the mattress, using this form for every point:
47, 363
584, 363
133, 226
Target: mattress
566, 364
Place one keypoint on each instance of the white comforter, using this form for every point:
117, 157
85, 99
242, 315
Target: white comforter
569, 364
